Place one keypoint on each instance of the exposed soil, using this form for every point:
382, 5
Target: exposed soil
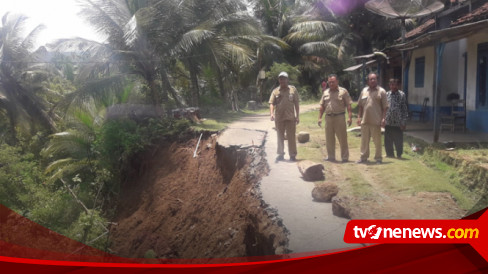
177, 206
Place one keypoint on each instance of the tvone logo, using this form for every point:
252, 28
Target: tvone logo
374, 232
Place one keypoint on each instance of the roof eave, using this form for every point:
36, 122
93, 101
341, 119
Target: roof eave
443, 35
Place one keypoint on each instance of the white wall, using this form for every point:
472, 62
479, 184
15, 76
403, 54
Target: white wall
416, 95
463, 45
472, 48
452, 72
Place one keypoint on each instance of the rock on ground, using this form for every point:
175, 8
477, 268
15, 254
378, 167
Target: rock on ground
340, 207
311, 171
325, 192
303, 137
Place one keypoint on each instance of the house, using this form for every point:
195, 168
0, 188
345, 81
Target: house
447, 57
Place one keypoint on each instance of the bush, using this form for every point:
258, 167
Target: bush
119, 140
307, 93
19, 173
272, 78
274, 71
89, 229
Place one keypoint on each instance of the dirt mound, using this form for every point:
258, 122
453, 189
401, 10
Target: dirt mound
177, 206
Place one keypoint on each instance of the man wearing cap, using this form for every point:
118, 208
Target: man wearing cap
284, 110
334, 102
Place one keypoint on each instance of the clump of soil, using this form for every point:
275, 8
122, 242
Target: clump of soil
178, 206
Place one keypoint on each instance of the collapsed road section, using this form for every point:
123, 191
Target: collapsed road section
175, 205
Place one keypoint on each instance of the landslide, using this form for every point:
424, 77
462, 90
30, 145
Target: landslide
173, 205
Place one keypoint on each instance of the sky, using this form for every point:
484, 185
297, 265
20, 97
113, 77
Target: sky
59, 16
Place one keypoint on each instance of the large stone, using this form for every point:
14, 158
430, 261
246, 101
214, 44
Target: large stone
136, 112
311, 171
303, 137
340, 207
191, 113
325, 192
252, 105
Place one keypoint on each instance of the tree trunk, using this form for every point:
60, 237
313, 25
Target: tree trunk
220, 81
167, 87
234, 100
155, 96
194, 83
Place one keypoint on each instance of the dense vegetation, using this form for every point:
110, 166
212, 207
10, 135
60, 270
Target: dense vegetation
63, 148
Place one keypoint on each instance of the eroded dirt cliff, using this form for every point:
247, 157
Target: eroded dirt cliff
173, 205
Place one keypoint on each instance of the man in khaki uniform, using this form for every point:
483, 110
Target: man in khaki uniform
373, 105
284, 110
334, 102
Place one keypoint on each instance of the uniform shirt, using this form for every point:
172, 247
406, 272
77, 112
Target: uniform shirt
373, 101
284, 101
335, 101
397, 112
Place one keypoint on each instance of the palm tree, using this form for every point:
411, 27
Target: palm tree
199, 33
273, 14
228, 45
22, 94
128, 46
71, 152
323, 38
322, 31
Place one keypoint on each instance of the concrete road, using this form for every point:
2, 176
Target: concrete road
311, 224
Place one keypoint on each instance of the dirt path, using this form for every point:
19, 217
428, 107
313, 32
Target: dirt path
311, 225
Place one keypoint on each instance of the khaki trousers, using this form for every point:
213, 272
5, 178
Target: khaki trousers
336, 126
288, 126
367, 132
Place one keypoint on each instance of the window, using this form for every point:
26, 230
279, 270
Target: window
419, 72
482, 77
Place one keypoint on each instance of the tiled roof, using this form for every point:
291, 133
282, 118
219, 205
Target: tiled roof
476, 15
420, 29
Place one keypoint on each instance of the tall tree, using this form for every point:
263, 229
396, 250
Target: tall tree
22, 94
228, 44
343, 27
129, 47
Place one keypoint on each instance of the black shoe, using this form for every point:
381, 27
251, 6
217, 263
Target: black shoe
379, 161
292, 158
345, 160
329, 159
280, 158
361, 161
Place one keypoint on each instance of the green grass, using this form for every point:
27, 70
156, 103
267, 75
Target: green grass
218, 120
359, 187
475, 153
416, 173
